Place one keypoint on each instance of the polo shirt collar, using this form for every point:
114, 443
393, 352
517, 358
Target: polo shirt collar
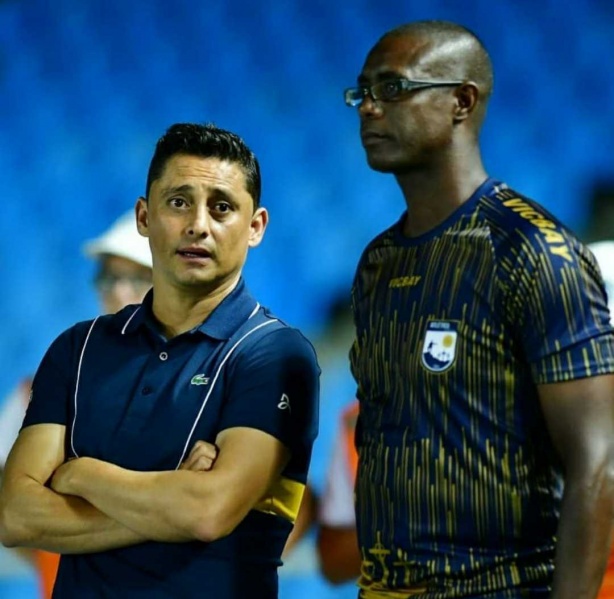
227, 317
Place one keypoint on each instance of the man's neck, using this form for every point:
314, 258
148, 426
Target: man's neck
432, 195
178, 311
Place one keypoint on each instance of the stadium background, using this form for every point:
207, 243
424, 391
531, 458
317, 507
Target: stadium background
87, 86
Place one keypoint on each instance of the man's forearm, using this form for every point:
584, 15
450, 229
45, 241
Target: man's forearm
166, 506
584, 537
43, 519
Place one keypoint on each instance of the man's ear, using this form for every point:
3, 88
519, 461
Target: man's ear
260, 220
142, 216
467, 96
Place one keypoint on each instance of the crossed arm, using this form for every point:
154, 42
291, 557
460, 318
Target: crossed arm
580, 418
87, 505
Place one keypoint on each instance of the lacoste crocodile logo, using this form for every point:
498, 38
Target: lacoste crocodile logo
199, 379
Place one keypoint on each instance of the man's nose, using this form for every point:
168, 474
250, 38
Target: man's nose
369, 108
200, 222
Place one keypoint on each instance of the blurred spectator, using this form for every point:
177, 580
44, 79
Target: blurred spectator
303, 575
124, 258
604, 252
337, 541
123, 277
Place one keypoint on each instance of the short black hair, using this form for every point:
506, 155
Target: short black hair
206, 141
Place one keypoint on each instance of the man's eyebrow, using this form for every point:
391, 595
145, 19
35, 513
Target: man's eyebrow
218, 193
177, 189
215, 192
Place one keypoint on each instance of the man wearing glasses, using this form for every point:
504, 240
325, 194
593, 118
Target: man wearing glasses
124, 265
483, 357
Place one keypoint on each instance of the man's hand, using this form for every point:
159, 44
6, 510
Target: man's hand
62, 480
201, 458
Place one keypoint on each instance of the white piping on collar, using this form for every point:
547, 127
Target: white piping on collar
128, 321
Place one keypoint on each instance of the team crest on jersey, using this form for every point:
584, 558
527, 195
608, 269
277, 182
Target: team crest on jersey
439, 349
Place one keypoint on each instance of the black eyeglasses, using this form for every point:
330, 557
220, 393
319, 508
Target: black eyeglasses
389, 90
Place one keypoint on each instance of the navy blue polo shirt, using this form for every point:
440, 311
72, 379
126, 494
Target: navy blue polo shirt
132, 398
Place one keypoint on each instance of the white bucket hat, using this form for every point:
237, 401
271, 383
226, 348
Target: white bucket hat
121, 239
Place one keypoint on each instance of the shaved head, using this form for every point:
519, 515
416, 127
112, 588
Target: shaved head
446, 50
418, 127
450, 51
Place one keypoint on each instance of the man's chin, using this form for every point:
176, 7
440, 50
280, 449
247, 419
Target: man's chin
382, 165
194, 282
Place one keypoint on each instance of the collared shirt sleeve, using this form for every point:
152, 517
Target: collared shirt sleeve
273, 386
560, 309
53, 384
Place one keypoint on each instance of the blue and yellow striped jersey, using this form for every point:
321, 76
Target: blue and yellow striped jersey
459, 488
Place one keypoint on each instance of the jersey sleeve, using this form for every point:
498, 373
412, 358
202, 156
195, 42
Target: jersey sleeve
53, 383
560, 311
274, 387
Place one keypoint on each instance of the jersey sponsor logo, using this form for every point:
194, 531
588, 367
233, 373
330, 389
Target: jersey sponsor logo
199, 379
439, 349
554, 239
410, 281
284, 403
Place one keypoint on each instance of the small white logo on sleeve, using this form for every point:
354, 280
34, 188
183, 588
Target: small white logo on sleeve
284, 403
